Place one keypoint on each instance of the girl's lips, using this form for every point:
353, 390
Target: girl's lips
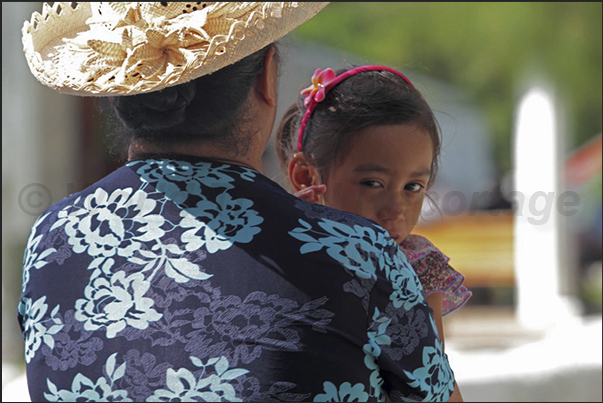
394, 236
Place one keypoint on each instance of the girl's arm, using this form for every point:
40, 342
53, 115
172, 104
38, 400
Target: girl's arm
456, 395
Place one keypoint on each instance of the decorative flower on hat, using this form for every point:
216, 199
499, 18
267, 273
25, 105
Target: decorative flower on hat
316, 91
148, 45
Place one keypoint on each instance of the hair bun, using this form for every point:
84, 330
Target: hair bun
156, 110
170, 99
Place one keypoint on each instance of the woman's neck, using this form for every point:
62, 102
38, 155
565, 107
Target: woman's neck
249, 157
245, 149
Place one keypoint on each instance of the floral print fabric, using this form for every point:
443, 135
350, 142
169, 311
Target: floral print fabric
434, 272
183, 279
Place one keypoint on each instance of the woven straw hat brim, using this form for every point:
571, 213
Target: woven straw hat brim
111, 49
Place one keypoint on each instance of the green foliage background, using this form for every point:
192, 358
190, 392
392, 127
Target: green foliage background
489, 49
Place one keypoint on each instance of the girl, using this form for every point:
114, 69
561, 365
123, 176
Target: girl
365, 141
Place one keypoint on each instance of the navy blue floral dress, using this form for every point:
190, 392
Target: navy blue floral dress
181, 279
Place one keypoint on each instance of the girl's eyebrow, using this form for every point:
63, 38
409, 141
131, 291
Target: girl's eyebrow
374, 167
371, 167
423, 172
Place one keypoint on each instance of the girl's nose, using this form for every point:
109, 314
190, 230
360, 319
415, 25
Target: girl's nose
393, 209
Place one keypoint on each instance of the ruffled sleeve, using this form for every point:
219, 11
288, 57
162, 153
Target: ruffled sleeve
434, 272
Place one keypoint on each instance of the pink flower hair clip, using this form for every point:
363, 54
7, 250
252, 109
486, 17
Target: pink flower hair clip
316, 91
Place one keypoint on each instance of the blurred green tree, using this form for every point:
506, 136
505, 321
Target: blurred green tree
488, 48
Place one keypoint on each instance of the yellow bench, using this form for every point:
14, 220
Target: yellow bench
478, 243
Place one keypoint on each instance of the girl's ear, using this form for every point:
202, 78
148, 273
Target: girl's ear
302, 174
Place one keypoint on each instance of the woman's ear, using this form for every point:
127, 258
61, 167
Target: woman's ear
303, 174
266, 84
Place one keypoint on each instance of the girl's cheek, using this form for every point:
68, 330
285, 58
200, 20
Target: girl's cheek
416, 212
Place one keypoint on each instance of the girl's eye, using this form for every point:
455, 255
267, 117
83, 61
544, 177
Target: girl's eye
414, 187
371, 183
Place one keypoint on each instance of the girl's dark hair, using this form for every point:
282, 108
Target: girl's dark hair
209, 108
369, 98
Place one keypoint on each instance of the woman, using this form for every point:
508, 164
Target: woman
186, 274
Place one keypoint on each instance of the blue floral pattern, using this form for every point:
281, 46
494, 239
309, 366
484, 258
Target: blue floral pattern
183, 385
191, 280
358, 248
35, 329
433, 374
377, 338
345, 393
114, 301
269, 318
73, 345
111, 224
84, 389
230, 221
32, 258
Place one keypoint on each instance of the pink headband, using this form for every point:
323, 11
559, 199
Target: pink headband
322, 82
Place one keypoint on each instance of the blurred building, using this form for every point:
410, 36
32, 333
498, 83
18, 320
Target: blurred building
583, 176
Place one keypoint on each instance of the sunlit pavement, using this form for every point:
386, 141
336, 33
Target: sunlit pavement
493, 360
14, 384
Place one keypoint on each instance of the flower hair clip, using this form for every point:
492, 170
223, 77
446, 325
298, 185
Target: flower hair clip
322, 82
320, 79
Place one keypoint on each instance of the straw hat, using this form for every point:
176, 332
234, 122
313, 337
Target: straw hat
127, 48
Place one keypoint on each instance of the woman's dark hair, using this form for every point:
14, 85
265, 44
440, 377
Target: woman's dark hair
370, 98
209, 108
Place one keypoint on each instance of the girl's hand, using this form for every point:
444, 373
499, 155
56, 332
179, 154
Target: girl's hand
311, 193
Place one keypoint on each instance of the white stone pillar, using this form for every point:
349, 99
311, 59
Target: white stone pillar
538, 250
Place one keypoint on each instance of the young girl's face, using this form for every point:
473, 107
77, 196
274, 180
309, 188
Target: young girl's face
383, 177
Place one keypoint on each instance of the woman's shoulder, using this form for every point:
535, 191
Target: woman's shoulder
315, 211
